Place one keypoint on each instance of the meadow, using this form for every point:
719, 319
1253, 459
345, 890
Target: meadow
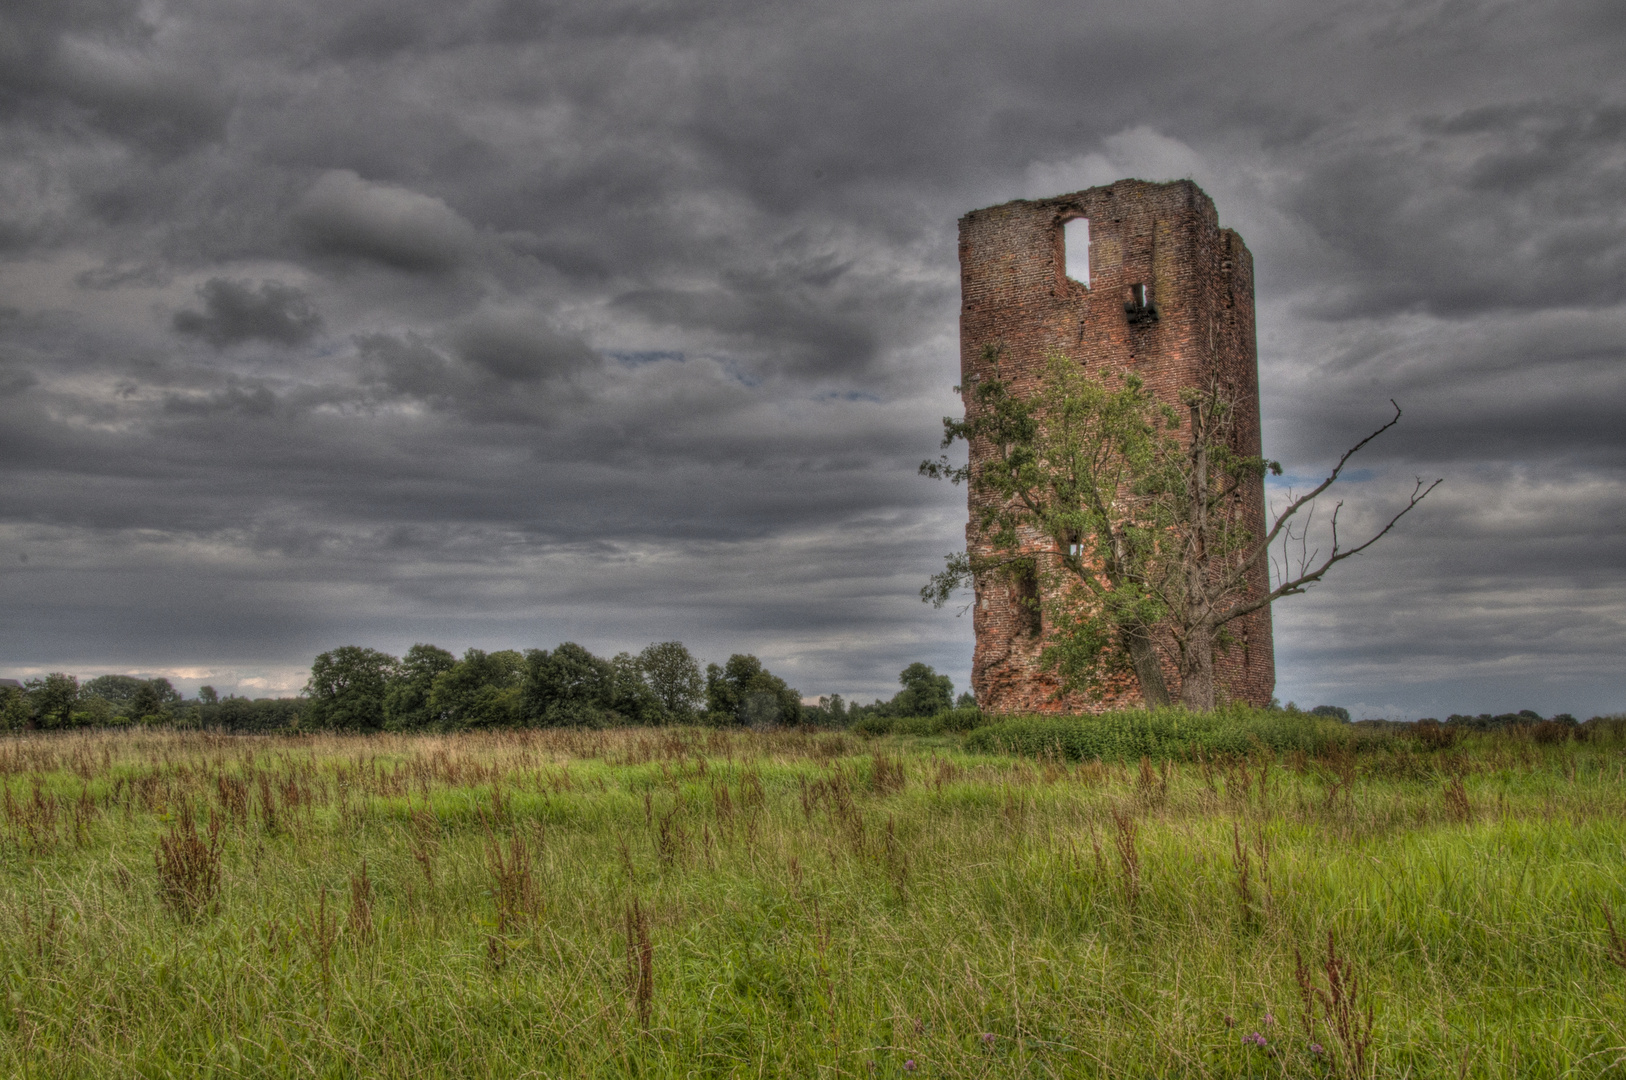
700, 902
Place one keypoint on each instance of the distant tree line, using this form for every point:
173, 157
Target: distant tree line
1462, 721
355, 688
925, 693
59, 701
1524, 717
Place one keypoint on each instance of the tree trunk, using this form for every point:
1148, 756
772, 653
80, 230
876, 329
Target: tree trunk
1197, 671
1153, 690
1197, 654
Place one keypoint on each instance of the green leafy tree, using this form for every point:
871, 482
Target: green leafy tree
94, 711
1070, 464
632, 699
118, 691
674, 676
15, 713
262, 715
1142, 543
832, 711
924, 693
569, 687
128, 696
742, 691
155, 702
347, 686
481, 690
145, 702
406, 700
208, 695
52, 699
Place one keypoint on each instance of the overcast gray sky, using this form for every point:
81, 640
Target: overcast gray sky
504, 323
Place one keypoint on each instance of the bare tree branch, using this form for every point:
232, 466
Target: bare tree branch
1301, 583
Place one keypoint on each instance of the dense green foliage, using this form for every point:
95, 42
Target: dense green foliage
407, 699
1081, 463
681, 902
429, 689
674, 678
130, 696
957, 720
59, 701
743, 691
925, 696
355, 689
347, 688
1160, 733
256, 716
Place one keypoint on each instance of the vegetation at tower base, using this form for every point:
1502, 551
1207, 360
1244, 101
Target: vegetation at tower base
1131, 515
1166, 734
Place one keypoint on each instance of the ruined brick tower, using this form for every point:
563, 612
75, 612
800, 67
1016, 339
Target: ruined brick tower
1131, 276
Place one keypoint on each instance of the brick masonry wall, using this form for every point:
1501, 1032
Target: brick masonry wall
1015, 294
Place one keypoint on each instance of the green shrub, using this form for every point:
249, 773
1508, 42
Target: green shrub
1156, 733
962, 719
874, 724
918, 725
957, 720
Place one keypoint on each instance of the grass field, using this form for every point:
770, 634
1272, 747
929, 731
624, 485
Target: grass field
687, 902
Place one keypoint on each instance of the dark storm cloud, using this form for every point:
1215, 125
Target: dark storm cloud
1511, 205
141, 98
235, 311
507, 322
344, 215
100, 67
519, 347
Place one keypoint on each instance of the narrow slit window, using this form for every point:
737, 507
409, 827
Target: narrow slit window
1075, 240
1025, 597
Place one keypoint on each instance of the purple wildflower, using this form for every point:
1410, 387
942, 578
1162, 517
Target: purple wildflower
1230, 1021
1270, 1018
1256, 1039
910, 1066
988, 1038
1317, 1049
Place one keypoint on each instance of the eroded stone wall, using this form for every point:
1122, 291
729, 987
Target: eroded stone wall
1198, 319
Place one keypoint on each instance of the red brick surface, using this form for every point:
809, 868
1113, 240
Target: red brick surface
1015, 294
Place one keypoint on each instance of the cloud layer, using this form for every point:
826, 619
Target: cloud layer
508, 323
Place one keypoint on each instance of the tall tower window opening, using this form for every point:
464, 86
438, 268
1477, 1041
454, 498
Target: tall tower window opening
1075, 242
